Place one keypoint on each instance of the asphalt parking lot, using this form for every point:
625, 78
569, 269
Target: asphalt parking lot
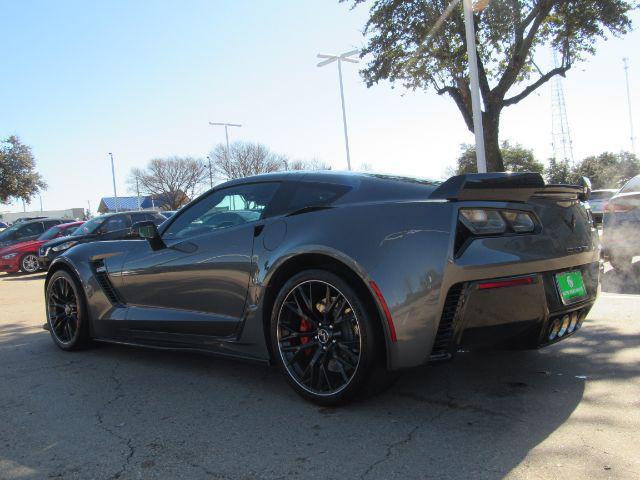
569, 411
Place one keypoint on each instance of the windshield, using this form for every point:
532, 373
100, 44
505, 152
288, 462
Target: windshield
51, 233
88, 227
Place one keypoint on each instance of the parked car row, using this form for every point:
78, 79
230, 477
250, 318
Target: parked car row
32, 245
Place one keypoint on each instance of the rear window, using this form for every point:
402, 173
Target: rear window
316, 195
632, 186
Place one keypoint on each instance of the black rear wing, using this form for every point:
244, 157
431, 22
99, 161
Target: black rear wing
505, 187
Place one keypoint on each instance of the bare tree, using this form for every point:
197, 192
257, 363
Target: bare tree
313, 164
170, 180
245, 159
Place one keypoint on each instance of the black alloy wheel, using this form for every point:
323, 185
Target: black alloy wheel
65, 312
323, 337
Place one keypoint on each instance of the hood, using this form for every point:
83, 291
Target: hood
18, 246
69, 238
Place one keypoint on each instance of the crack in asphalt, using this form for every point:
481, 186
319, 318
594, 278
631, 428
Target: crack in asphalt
403, 442
451, 403
101, 423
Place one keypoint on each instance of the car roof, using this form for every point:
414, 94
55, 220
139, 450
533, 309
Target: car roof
329, 176
39, 220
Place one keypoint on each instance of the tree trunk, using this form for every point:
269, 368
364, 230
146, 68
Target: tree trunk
491, 126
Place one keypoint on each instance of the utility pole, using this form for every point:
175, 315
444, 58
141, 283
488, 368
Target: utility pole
210, 172
113, 175
626, 74
476, 106
138, 192
226, 132
41, 209
345, 57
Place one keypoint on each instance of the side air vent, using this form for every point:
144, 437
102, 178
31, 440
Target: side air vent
443, 346
105, 284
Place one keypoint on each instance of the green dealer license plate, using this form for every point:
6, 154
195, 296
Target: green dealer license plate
571, 286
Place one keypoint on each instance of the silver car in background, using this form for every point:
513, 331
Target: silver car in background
597, 202
621, 226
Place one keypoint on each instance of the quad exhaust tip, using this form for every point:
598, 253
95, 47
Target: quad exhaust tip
566, 324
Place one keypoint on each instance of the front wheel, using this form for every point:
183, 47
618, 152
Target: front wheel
323, 337
66, 312
29, 263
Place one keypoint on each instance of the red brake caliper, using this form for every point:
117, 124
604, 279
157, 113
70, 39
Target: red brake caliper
305, 327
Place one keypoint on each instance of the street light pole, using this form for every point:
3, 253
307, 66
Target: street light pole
210, 172
345, 57
226, 132
113, 175
138, 192
476, 106
626, 74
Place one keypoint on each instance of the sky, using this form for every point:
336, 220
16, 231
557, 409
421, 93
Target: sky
142, 79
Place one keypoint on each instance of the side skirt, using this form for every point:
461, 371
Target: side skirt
204, 351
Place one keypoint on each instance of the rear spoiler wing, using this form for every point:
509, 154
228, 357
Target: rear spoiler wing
507, 187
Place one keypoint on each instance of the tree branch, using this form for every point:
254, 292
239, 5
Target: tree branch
522, 45
457, 96
542, 80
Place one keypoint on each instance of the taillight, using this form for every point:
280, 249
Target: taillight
481, 221
613, 207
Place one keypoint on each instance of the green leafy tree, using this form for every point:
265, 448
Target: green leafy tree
558, 171
420, 44
18, 176
516, 159
608, 170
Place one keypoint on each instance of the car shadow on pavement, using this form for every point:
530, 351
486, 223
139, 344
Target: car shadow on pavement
123, 412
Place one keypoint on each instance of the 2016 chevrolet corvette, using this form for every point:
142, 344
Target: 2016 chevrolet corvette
341, 279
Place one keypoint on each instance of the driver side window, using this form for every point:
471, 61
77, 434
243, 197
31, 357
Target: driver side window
223, 209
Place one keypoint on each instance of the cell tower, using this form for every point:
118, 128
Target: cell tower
560, 133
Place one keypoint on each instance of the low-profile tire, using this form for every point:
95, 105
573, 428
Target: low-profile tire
324, 338
29, 263
66, 310
621, 263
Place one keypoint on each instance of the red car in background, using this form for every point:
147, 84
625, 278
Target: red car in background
24, 256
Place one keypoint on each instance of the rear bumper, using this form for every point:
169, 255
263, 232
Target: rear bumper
520, 315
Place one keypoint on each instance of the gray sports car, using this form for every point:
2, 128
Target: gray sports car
341, 279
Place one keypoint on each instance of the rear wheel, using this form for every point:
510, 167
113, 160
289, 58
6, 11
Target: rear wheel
66, 312
324, 338
29, 263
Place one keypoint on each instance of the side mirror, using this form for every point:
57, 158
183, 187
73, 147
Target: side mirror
585, 183
148, 230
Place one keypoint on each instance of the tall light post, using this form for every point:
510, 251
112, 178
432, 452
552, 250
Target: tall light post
226, 130
113, 175
138, 192
345, 57
626, 74
476, 106
210, 172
